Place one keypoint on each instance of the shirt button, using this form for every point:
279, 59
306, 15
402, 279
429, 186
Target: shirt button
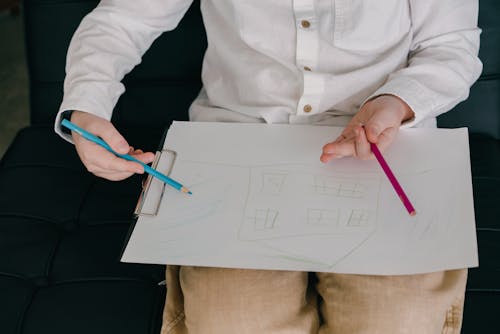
307, 108
305, 24
307, 68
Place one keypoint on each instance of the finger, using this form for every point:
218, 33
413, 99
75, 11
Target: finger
98, 170
339, 138
387, 137
118, 164
362, 145
146, 158
378, 123
97, 158
349, 132
327, 157
342, 148
110, 135
372, 130
116, 176
112, 163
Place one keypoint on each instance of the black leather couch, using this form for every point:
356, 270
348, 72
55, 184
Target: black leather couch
62, 230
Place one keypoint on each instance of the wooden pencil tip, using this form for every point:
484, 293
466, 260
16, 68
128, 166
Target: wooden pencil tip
186, 191
413, 213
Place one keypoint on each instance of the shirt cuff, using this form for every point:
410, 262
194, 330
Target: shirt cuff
71, 106
414, 94
97, 98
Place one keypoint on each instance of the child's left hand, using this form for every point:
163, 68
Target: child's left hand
381, 118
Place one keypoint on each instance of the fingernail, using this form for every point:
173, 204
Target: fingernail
332, 156
375, 130
123, 146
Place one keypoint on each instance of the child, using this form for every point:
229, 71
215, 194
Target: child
328, 62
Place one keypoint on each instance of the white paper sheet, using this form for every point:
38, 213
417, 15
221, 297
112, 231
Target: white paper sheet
263, 200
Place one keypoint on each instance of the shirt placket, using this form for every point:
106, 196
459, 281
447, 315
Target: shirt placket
307, 56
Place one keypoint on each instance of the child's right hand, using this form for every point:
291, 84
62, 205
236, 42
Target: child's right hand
97, 159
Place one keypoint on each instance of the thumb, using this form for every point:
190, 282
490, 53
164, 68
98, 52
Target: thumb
373, 129
110, 135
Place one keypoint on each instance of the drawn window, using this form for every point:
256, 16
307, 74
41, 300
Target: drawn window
320, 217
264, 219
359, 218
338, 187
273, 182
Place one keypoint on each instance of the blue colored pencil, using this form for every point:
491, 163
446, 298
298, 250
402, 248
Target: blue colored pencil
93, 138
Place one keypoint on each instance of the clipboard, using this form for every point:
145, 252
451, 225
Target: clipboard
149, 201
247, 214
150, 198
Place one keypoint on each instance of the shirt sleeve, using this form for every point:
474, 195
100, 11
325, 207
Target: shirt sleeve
443, 61
108, 43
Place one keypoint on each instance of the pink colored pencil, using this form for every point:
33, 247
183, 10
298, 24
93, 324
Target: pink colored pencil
393, 180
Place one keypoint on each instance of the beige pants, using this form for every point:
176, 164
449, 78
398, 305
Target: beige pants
214, 300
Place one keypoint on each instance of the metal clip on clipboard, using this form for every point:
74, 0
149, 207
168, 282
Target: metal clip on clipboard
153, 189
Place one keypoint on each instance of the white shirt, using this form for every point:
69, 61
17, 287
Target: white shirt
288, 61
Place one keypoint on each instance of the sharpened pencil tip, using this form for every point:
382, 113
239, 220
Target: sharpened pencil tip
186, 191
413, 213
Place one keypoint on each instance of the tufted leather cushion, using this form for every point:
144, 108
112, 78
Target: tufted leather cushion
481, 111
61, 235
62, 230
483, 286
159, 90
